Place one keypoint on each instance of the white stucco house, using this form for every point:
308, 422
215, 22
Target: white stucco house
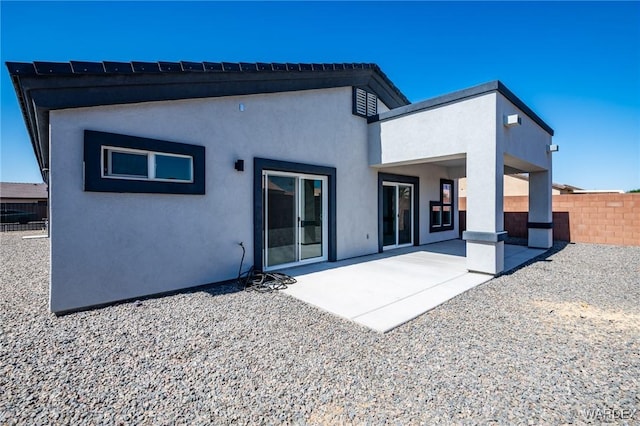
157, 171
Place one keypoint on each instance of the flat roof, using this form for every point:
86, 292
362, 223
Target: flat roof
460, 95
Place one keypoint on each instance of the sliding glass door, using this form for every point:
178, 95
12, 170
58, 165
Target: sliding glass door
295, 229
397, 214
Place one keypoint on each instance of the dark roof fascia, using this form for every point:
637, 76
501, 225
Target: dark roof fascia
450, 98
43, 86
29, 120
76, 90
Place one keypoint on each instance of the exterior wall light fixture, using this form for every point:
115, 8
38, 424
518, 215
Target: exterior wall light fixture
512, 120
239, 166
553, 148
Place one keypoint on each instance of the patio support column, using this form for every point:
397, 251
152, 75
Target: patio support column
485, 233
540, 224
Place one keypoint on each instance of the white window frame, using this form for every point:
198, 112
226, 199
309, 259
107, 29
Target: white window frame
151, 164
325, 220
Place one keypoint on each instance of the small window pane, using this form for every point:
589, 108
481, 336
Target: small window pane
171, 167
129, 164
436, 216
446, 216
446, 193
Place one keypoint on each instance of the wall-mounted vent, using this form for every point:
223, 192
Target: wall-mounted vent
365, 104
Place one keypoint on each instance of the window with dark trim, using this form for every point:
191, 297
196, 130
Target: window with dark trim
262, 164
441, 211
365, 104
124, 163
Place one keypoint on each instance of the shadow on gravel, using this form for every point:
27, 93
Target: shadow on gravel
544, 257
213, 289
217, 289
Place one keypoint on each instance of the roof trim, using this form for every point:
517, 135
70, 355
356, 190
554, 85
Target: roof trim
45, 86
450, 98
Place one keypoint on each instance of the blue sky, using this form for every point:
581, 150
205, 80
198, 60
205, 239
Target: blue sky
577, 65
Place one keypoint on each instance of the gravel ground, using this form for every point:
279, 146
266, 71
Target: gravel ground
555, 342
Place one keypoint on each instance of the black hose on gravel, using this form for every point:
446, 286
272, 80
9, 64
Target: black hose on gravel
262, 282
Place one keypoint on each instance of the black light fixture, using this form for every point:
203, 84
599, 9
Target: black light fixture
239, 165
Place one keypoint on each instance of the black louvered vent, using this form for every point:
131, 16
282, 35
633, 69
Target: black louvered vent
365, 104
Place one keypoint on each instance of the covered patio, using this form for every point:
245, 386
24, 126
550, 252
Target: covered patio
480, 133
385, 290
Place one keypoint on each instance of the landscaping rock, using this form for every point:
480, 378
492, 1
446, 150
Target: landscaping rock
557, 341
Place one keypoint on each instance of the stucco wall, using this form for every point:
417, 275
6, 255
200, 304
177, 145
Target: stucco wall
382, 107
108, 246
460, 130
442, 132
524, 145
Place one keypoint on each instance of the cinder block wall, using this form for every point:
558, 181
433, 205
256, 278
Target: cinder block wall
586, 218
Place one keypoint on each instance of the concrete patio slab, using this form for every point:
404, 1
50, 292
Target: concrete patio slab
385, 290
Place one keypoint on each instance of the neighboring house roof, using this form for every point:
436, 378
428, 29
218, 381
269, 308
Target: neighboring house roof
598, 191
563, 188
45, 86
11, 190
522, 188
277, 188
570, 189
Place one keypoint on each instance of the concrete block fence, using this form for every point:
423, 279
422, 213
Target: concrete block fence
587, 218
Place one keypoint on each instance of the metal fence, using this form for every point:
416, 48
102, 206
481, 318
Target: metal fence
31, 226
35, 215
